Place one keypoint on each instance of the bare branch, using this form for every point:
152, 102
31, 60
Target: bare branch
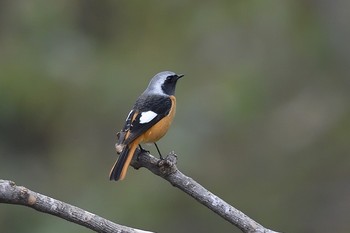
167, 169
12, 194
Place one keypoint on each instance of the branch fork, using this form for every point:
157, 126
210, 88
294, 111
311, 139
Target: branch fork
168, 170
162, 167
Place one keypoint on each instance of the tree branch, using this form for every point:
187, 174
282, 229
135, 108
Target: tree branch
12, 194
167, 170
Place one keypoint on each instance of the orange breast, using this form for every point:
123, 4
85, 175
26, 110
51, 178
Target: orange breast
157, 131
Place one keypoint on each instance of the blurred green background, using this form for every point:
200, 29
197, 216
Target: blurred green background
263, 116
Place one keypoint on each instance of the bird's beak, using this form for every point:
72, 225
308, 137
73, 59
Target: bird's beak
180, 76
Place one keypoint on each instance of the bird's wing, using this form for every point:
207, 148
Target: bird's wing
147, 111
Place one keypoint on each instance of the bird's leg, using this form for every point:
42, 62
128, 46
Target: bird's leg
143, 150
160, 155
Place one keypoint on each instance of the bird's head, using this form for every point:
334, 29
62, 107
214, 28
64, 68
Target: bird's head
164, 83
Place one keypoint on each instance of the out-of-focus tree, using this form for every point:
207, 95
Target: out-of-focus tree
263, 114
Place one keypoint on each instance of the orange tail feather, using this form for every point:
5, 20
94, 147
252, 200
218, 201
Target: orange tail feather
121, 166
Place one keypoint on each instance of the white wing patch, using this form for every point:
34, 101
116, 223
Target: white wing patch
147, 116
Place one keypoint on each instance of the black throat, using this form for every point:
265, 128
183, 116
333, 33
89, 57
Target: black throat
169, 87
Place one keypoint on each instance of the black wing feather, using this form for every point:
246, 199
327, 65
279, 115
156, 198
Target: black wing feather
127, 126
161, 105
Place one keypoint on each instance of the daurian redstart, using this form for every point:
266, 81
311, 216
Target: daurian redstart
148, 121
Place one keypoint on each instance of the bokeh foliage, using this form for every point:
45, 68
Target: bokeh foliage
263, 114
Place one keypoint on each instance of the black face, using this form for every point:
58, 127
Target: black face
170, 84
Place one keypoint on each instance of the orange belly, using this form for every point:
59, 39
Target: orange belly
157, 131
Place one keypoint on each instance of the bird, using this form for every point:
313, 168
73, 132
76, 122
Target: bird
147, 122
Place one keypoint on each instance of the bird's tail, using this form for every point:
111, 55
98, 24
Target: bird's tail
120, 167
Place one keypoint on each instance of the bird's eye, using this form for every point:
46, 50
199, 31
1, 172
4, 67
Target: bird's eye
169, 78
